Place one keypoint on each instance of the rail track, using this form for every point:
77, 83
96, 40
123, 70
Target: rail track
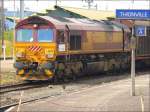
3, 108
25, 86
21, 86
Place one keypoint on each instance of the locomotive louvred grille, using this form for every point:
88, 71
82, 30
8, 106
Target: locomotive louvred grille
34, 48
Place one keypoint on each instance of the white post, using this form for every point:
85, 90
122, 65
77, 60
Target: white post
14, 32
133, 64
133, 72
4, 52
3, 25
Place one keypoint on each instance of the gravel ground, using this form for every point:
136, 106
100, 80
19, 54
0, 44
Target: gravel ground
7, 73
59, 89
7, 66
8, 78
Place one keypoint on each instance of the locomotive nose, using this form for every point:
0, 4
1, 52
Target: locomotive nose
34, 53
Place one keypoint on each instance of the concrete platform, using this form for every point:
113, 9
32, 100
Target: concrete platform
114, 96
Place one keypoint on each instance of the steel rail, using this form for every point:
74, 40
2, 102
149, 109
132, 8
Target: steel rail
11, 85
21, 86
3, 108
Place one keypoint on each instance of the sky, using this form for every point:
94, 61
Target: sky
39, 5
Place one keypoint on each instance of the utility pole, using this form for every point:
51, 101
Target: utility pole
2, 29
1, 19
132, 4
56, 3
89, 3
14, 31
37, 5
21, 9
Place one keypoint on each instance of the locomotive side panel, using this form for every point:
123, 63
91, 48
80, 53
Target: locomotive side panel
103, 41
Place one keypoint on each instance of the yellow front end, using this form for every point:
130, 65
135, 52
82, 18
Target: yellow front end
35, 61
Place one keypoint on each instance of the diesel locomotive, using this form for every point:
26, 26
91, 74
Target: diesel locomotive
58, 48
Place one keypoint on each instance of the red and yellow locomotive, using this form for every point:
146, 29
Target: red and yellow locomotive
55, 47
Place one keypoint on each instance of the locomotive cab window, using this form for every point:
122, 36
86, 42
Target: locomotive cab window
45, 35
24, 35
75, 42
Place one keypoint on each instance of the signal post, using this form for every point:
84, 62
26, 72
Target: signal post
133, 15
133, 46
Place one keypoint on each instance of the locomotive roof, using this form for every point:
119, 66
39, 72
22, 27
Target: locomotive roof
77, 23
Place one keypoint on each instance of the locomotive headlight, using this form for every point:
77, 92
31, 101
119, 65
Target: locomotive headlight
49, 53
20, 55
20, 52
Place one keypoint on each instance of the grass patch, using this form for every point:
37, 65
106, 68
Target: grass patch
8, 40
9, 78
8, 35
9, 48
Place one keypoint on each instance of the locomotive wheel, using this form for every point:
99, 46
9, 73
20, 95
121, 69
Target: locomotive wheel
74, 77
65, 79
55, 79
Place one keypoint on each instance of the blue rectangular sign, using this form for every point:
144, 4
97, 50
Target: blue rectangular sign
133, 14
140, 31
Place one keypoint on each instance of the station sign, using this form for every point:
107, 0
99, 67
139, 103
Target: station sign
140, 31
133, 14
